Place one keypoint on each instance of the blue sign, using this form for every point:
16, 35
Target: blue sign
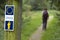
9, 18
9, 25
9, 10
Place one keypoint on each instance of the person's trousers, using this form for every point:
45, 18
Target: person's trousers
44, 25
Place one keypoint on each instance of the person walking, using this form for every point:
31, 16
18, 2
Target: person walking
45, 18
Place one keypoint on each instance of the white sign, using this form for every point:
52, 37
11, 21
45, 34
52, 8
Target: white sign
9, 18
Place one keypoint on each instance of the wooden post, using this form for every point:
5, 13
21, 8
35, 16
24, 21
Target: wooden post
19, 27
11, 35
16, 34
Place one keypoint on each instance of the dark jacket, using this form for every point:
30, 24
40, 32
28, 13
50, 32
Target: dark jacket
45, 15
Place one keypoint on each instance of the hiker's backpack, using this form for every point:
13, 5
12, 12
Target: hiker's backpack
45, 15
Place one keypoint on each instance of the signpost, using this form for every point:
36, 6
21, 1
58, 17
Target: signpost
9, 18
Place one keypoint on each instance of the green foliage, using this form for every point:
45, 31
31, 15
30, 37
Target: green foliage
30, 26
53, 30
26, 7
2, 4
1, 12
36, 4
2, 1
1, 28
40, 4
57, 4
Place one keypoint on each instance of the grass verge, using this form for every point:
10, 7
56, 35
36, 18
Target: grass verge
32, 25
53, 31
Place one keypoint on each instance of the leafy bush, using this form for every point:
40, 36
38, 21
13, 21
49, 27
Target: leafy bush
1, 12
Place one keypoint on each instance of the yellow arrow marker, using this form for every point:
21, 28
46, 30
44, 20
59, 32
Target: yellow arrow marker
8, 25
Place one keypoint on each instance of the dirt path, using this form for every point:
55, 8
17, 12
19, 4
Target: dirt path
38, 33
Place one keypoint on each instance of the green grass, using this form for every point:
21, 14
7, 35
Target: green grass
52, 12
36, 21
31, 26
53, 31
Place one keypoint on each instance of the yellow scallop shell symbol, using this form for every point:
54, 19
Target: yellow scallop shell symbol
9, 24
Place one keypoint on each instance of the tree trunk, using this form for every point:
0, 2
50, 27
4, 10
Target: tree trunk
19, 20
16, 34
12, 35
